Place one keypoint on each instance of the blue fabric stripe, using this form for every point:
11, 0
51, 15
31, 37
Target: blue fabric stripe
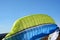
35, 32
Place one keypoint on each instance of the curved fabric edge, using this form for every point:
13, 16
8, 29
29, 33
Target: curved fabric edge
35, 32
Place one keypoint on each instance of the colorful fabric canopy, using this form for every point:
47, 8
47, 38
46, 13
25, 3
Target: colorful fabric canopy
33, 27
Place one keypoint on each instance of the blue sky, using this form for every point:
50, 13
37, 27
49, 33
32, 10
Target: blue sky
11, 10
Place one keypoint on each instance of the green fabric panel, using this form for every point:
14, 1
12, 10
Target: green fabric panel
30, 21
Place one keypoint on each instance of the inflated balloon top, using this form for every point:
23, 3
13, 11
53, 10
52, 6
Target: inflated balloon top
33, 27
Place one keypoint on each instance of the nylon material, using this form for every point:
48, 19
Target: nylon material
34, 31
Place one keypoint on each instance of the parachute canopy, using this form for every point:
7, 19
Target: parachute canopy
32, 21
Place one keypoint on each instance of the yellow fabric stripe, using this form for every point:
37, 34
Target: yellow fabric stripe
29, 21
